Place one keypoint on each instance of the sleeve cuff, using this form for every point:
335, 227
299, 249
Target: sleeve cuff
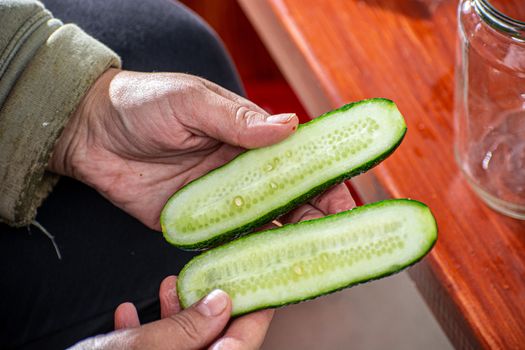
35, 113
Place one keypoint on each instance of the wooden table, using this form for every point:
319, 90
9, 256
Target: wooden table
335, 51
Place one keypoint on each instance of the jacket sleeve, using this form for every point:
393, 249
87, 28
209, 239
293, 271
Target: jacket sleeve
45, 69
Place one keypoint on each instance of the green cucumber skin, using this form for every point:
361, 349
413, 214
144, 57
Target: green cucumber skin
242, 230
395, 269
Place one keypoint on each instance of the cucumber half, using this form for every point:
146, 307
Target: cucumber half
261, 184
302, 261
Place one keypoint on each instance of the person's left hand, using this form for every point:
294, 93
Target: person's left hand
204, 323
244, 332
139, 137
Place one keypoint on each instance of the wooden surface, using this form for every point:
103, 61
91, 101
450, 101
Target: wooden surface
336, 51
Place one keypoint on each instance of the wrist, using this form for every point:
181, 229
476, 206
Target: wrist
71, 149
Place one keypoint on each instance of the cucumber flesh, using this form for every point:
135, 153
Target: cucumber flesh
302, 261
261, 184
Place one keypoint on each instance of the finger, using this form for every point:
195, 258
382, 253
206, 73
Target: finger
304, 212
193, 328
246, 332
235, 123
169, 301
334, 200
126, 316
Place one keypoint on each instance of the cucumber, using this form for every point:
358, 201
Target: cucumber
261, 184
302, 261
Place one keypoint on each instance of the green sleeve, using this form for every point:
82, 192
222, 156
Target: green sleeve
45, 70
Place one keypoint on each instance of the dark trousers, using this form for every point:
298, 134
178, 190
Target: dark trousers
108, 257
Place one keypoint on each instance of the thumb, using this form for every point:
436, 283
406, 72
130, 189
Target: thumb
252, 129
193, 328
239, 122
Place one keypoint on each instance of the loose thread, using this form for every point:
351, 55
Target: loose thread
49, 235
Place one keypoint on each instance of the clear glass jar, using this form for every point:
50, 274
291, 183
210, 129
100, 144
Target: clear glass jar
490, 102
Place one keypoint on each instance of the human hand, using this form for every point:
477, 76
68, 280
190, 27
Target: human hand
193, 328
139, 137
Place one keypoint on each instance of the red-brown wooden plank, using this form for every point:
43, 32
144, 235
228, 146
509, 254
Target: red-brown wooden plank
335, 51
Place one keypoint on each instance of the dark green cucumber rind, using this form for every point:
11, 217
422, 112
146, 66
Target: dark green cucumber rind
395, 268
240, 231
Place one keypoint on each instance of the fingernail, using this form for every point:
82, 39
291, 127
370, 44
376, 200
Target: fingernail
226, 344
213, 304
280, 118
218, 345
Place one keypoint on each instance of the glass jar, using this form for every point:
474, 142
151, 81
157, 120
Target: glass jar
490, 102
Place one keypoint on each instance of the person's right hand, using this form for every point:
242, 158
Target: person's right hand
196, 327
138, 138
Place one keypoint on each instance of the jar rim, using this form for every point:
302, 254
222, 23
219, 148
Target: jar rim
499, 20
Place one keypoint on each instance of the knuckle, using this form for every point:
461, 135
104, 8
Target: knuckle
245, 118
187, 85
188, 327
309, 213
241, 114
240, 122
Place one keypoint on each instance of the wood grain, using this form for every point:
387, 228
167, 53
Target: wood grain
335, 51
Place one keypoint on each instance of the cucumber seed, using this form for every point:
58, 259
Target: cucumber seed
298, 270
238, 201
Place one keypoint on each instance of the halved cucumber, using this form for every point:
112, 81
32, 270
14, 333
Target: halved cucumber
261, 184
305, 260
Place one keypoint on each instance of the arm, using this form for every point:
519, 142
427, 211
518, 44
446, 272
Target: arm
136, 138
45, 70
